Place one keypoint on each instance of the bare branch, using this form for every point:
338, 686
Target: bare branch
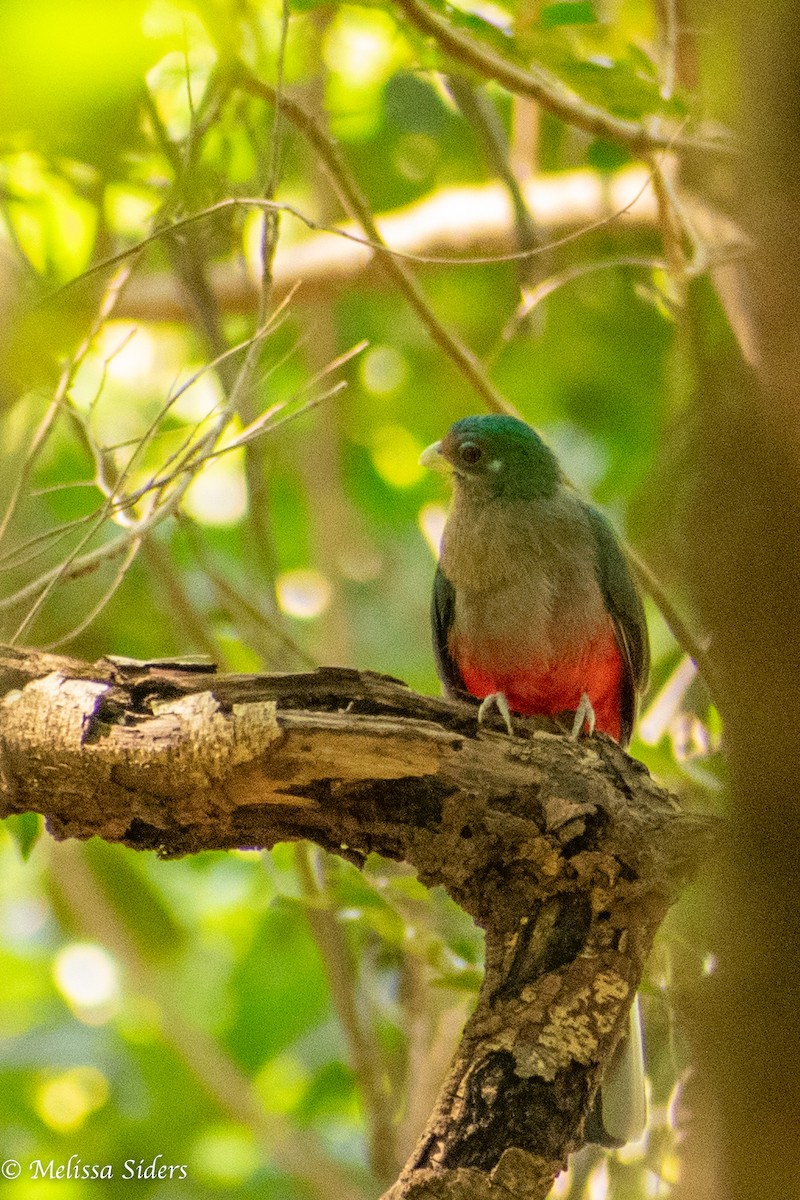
568, 198
566, 853
163, 492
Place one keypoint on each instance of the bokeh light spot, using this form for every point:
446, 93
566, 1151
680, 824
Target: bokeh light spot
359, 46
87, 977
303, 593
598, 1183
66, 1101
383, 370
129, 210
128, 351
562, 1185
23, 918
225, 1155
282, 1083
395, 454
218, 494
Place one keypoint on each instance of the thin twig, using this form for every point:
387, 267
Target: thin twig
236, 599
444, 260
187, 257
193, 447
666, 11
479, 111
357, 205
256, 427
672, 231
113, 506
256, 462
181, 610
535, 296
67, 486
163, 503
94, 612
28, 551
168, 492
270, 226
82, 424
45, 426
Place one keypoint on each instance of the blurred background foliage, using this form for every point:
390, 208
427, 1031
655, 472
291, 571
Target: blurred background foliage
210, 445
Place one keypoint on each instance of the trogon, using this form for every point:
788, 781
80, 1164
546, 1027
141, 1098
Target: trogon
535, 609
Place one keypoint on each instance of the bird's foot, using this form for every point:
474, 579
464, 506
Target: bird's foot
497, 700
584, 715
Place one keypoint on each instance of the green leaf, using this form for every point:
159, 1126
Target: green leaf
332, 1091
25, 829
471, 22
607, 156
279, 991
460, 981
141, 906
568, 12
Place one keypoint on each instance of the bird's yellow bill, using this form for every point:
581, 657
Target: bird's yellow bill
433, 458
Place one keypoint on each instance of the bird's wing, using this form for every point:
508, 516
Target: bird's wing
442, 612
625, 608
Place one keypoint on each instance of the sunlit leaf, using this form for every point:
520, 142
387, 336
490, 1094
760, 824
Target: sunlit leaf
72, 73
25, 829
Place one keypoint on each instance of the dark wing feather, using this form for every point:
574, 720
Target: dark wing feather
624, 605
443, 604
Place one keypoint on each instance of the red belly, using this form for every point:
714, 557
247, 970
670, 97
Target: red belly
546, 688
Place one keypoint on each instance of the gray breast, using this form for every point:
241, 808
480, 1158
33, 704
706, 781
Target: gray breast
525, 576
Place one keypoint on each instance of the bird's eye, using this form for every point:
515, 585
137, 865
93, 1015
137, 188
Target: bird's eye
469, 453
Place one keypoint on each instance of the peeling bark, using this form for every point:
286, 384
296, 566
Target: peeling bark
566, 853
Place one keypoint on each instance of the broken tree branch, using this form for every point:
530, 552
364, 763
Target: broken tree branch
566, 853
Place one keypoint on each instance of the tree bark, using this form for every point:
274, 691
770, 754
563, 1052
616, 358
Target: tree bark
566, 853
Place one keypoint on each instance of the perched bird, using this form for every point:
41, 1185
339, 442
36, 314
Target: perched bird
533, 600
535, 610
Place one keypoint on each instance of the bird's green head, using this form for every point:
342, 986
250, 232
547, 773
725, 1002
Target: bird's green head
496, 456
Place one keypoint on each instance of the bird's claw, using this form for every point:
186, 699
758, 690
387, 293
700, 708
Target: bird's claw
584, 715
496, 700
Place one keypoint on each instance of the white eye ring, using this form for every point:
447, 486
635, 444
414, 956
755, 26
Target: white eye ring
470, 454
